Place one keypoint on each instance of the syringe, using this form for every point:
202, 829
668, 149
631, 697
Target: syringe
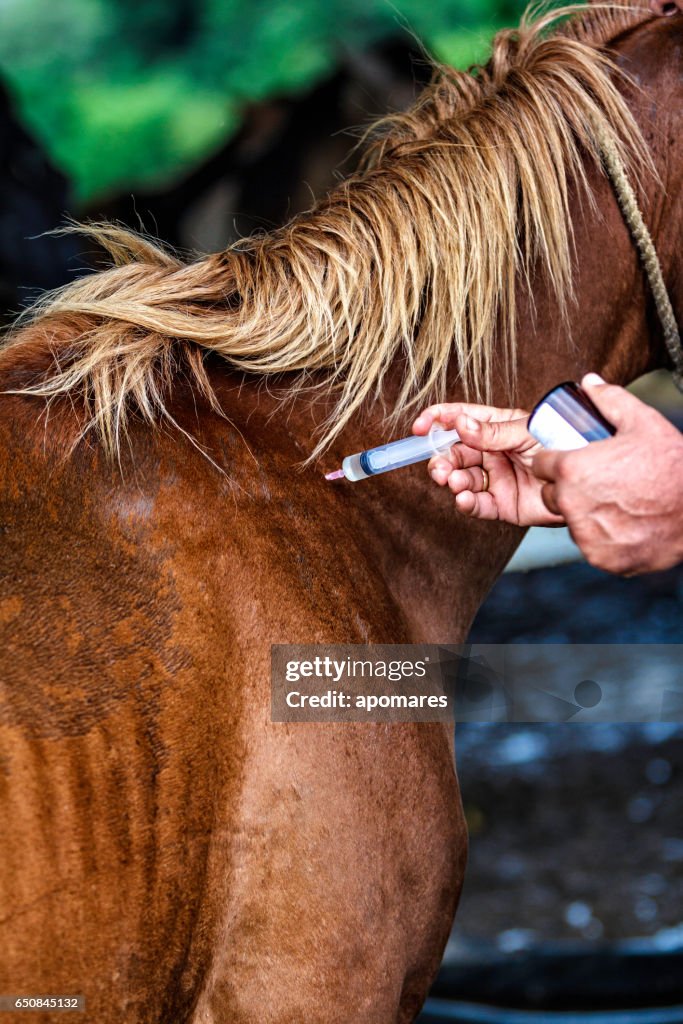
396, 455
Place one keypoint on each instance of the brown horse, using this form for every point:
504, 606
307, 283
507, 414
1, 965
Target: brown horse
166, 850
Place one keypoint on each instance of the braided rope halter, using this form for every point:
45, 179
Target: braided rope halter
642, 238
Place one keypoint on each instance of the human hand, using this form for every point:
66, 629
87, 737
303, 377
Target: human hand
622, 498
495, 442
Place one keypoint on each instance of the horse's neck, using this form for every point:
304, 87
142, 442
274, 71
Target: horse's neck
657, 64
441, 565
613, 325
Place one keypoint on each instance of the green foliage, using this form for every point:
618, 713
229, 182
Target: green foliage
131, 92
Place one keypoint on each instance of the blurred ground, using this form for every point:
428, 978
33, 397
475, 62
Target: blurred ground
576, 832
578, 604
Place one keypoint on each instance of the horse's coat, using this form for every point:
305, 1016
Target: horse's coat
166, 849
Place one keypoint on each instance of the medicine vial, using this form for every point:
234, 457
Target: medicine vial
565, 419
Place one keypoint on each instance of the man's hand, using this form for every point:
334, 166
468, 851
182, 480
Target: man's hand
495, 441
623, 498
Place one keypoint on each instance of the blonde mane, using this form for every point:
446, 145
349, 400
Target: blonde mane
416, 257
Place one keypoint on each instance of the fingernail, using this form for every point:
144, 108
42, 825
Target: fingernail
593, 380
472, 424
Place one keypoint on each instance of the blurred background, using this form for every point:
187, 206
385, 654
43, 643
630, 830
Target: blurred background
203, 120
200, 119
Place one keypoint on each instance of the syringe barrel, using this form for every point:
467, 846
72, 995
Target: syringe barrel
398, 454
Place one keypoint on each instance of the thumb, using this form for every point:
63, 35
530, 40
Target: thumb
498, 436
616, 404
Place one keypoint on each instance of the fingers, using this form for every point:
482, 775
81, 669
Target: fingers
549, 498
547, 465
470, 497
496, 436
458, 457
468, 480
616, 404
446, 413
478, 506
440, 469
467, 484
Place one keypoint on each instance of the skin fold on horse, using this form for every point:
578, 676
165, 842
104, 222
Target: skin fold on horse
168, 851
